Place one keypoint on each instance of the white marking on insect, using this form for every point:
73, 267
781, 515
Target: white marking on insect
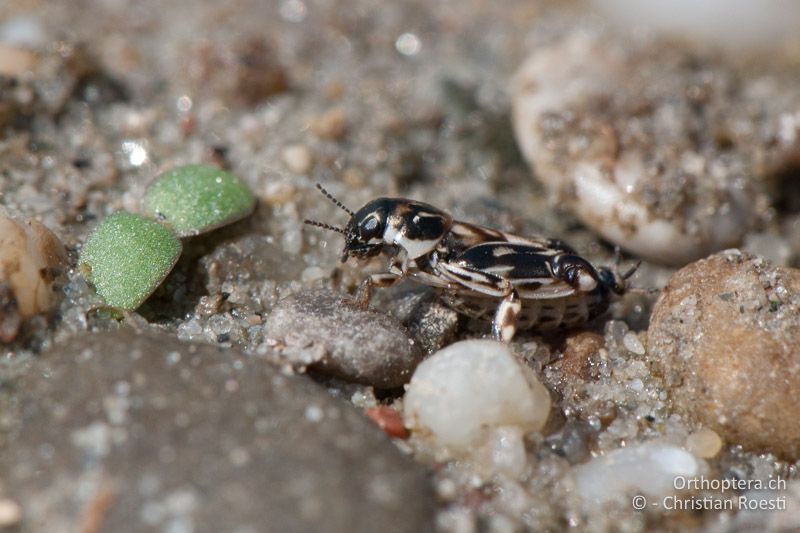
499, 269
415, 248
548, 293
543, 281
500, 251
586, 282
390, 233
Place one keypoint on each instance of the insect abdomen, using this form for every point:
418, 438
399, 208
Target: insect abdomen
541, 314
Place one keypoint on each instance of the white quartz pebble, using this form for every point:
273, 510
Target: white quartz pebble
704, 443
471, 387
649, 470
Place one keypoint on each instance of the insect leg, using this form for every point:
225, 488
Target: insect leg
504, 325
364, 292
474, 279
432, 280
505, 320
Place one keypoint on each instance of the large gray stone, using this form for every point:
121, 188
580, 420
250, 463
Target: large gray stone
139, 432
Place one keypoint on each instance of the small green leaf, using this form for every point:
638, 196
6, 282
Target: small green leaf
194, 199
127, 257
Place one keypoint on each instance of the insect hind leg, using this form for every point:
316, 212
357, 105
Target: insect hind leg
504, 326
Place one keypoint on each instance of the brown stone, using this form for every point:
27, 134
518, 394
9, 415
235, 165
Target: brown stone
579, 349
725, 333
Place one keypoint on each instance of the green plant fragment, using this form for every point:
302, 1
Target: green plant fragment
194, 199
127, 257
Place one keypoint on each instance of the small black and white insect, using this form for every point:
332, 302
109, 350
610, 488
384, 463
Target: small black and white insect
514, 282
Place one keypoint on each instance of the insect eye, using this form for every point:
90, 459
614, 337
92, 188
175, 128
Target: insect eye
370, 227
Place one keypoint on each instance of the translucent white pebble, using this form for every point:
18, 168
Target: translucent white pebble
470, 387
704, 443
648, 469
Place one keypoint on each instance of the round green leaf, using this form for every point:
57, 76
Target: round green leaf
127, 257
194, 199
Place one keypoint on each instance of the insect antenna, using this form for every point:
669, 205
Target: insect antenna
618, 261
323, 226
618, 256
640, 290
336, 202
631, 271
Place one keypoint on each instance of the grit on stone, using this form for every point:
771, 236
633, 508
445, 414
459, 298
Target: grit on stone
726, 334
327, 332
140, 432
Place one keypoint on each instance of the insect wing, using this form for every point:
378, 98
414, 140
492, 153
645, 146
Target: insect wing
525, 266
465, 235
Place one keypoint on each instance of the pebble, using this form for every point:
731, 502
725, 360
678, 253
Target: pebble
246, 262
60, 70
736, 24
23, 30
210, 441
470, 387
724, 333
633, 344
32, 266
330, 125
704, 443
10, 513
505, 450
388, 419
619, 473
433, 324
573, 441
245, 71
581, 350
297, 158
278, 192
359, 345
660, 149
16, 61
